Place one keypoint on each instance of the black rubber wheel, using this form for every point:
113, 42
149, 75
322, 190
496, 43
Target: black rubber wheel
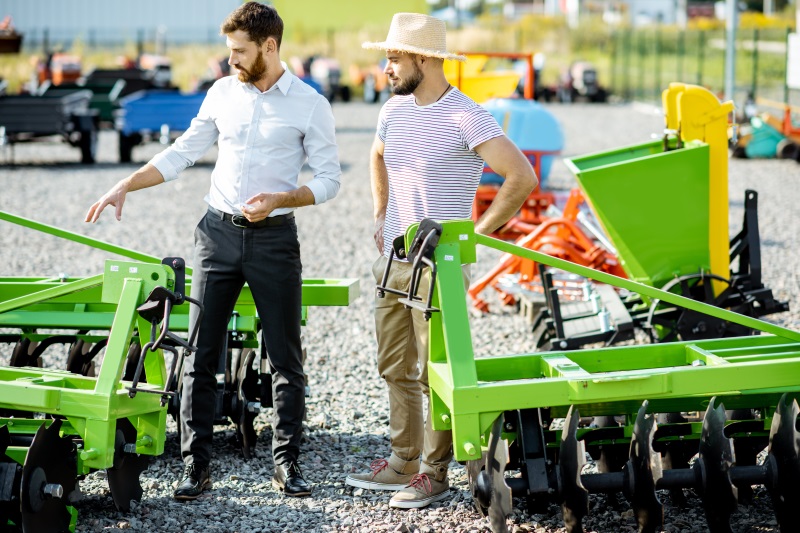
126, 144
88, 146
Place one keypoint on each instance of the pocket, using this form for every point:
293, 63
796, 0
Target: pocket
378, 267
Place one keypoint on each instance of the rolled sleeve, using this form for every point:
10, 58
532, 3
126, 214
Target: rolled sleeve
189, 147
323, 158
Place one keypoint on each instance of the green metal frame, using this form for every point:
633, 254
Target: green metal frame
93, 405
469, 393
108, 303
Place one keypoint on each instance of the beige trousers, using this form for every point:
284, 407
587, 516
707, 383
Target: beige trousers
402, 336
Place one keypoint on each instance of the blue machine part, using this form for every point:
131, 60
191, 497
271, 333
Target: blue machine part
150, 110
308, 80
531, 127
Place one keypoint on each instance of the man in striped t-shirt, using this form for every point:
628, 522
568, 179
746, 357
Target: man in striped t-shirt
426, 162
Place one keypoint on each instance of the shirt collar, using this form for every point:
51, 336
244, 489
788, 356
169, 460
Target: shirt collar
283, 83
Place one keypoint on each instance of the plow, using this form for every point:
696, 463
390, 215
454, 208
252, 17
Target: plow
126, 333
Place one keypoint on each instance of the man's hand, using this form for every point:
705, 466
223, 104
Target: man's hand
147, 176
378, 232
260, 206
115, 197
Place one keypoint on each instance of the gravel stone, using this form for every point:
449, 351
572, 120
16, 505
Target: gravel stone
347, 423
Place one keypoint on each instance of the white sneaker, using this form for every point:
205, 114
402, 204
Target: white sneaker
381, 477
420, 492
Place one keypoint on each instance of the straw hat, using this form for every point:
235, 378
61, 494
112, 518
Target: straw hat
416, 34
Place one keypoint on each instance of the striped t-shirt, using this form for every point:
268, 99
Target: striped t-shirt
430, 158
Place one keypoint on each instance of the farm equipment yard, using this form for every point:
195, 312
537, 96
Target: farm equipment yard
347, 420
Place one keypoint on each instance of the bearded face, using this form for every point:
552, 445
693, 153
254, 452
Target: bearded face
407, 84
253, 72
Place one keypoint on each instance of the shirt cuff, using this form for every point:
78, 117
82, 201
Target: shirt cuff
165, 163
323, 189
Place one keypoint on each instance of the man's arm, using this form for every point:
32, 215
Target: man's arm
319, 144
379, 178
165, 166
506, 160
147, 176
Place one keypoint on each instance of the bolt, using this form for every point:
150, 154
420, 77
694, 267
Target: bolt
445, 418
509, 426
562, 344
698, 362
129, 448
254, 407
54, 490
175, 263
469, 448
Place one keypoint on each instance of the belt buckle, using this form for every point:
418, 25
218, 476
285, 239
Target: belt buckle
239, 221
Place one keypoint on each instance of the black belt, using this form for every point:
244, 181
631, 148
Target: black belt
241, 222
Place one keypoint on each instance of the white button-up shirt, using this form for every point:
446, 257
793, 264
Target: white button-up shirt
264, 139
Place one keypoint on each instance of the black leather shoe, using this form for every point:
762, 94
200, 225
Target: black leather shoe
289, 480
196, 479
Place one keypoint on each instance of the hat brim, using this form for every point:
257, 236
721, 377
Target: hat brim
396, 47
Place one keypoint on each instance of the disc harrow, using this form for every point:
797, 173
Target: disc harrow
58, 425
655, 417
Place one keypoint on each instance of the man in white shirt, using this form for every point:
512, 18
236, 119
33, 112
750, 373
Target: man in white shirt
267, 122
426, 162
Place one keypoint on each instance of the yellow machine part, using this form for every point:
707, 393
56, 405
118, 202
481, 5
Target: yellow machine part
481, 86
696, 114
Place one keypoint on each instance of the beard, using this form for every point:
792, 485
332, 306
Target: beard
254, 72
410, 84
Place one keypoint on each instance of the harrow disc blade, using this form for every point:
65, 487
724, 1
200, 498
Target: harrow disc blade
783, 465
574, 496
48, 477
246, 389
123, 477
719, 494
497, 458
642, 472
481, 499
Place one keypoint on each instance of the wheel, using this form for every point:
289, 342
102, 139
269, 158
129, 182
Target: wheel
787, 150
344, 93
126, 144
668, 323
88, 145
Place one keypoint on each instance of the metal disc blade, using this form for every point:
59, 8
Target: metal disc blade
123, 477
496, 461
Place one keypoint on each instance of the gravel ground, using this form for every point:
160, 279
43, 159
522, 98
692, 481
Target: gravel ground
347, 422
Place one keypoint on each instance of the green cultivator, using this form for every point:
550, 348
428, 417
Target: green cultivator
501, 409
61, 424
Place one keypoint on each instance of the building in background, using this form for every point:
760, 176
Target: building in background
117, 22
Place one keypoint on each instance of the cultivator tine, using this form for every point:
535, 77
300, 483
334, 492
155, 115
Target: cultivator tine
500, 504
642, 472
48, 478
783, 465
123, 477
713, 466
574, 497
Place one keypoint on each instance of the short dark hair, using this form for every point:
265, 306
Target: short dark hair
259, 21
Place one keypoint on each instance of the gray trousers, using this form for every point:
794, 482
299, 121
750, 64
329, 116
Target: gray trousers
268, 260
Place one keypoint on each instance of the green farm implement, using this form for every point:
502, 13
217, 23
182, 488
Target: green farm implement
59, 425
502, 409
664, 208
